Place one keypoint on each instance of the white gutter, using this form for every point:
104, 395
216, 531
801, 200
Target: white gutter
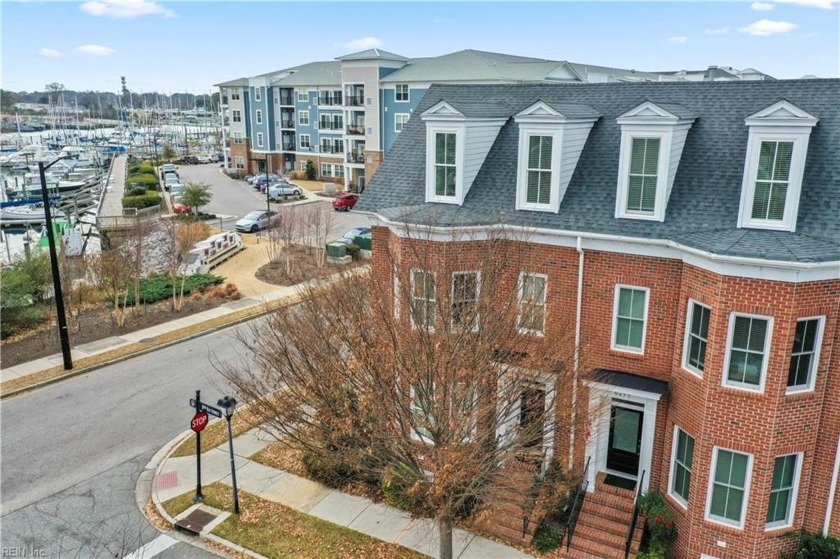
576, 365
833, 491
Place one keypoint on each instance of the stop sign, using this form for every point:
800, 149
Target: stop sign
199, 421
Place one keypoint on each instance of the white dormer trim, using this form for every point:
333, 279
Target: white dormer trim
473, 139
650, 121
568, 136
780, 122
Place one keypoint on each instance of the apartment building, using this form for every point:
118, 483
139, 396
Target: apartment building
690, 233
344, 115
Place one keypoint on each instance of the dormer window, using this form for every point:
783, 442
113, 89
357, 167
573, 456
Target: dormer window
652, 139
445, 168
775, 165
547, 136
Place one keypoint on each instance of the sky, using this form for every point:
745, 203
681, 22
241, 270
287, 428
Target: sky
189, 46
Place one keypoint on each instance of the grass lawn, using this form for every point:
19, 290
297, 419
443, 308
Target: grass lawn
277, 531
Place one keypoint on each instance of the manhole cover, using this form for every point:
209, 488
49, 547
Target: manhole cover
195, 522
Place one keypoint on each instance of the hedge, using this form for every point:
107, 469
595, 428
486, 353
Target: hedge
147, 200
142, 179
141, 168
159, 287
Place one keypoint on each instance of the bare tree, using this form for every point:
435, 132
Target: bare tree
439, 377
112, 275
318, 226
286, 232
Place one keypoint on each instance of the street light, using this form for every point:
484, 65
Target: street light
228, 404
59, 297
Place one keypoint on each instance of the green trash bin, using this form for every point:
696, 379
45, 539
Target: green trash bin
363, 241
336, 250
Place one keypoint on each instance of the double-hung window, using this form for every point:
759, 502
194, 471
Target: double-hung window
465, 286
237, 137
747, 351
445, 169
805, 355
257, 94
303, 118
259, 116
532, 301
399, 121
259, 139
422, 406
682, 457
630, 318
401, 93
642, 179
237, 115
235, 96
783, 491
305, 142
772, 181
538, 170
303, 96
423, 299
729, 487
696, 337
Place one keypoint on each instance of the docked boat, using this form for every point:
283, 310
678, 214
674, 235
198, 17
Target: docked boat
26, 215
211, 252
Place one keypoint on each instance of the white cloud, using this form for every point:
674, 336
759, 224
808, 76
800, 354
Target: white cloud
679, 40
762, 6
766, 27
94, 50
363, 44
125, 9
822, 4
49, 53
718, 31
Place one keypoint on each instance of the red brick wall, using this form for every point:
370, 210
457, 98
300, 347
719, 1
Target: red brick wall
765, 425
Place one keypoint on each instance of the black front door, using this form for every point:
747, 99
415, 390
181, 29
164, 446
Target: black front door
625, 440
532, 416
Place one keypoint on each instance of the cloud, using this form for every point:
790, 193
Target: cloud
718, 31
679, 40
762, 6
94, 50
363, 43
125, 9
766, 27
822, 4
49, 53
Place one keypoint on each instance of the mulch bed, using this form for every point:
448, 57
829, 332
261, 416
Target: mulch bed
304, 267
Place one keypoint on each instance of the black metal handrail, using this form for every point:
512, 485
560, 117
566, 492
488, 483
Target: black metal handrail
576, 504
354, 100
355, 158
629, 540
356, 129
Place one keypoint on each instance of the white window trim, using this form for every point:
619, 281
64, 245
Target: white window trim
397, 293
688, 321
525, 133
794, 494
407, 93
236, 115
259, 139
618, 288
797, 170
477, 275
764, 364
430, 328
521, 291
414, 433
676, 496
812, 374
625, 154
258, 94
308, 141
747, 483
258, 116
397, 120
300, 118
303, 96
431, 194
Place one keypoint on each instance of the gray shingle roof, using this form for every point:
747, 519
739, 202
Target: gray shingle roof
373, 53
233, 83
482, 109
703, 207
313, 73
473, 65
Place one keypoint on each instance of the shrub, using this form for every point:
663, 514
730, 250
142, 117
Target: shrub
548, 536
142, 179
145, 168
136, 191
147, 200
660, 527
816, 546
327, 469
20, 319
397, 484
310, 171
159, 287
353, 250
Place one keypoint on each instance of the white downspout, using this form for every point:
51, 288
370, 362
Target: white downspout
833, 491
576, 364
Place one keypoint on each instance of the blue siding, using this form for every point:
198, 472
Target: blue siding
312, 107
390, 107
246, 113
385, 71
265, 127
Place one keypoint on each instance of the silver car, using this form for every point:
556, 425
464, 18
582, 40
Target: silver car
257, 220
279, 189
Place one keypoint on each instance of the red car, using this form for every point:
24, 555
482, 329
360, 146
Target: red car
179, 208
345, 201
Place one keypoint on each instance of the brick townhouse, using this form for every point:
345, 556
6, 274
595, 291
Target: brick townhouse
691, 234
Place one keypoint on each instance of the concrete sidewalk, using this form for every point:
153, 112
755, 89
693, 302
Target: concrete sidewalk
176, 476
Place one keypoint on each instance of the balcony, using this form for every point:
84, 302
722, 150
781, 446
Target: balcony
288, 146
330, 125
354, 101
356, 129
287, 124
358, 158
326, 148
286, 99
325, 101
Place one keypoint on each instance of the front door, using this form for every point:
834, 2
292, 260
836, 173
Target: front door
625, 441
532, 417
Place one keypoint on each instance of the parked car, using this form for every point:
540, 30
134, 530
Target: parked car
257, 220
261, 180
168, 168
170, 175
283, 188
348, 237
345, 201
180, 208
204, 159
188, 160
169, 181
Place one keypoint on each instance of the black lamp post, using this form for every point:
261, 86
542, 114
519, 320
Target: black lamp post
59, 296
228, 404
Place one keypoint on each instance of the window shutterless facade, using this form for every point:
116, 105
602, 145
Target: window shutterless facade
465, 289
804, 356
401, 93
234, 96
257, 94
237, 137
747, 349
538, 170
642, 178
304, 141
532, 302
421, 404
259, 116
399, 121
237, 115
445, 168
783, 491
729, 487
303, 96
259, 139
303, 118
696, 337
682, 457
423, 299
630, 318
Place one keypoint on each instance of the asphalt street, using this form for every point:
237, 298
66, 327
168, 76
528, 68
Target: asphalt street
72, 452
